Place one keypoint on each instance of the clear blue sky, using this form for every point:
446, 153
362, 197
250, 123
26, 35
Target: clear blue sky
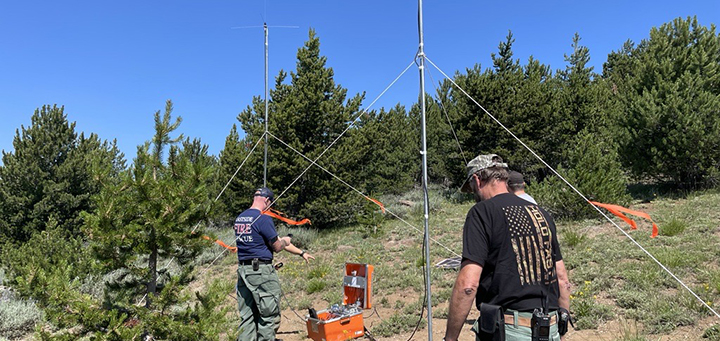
112, 64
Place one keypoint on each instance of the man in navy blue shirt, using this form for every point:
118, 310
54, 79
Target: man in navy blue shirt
258, 286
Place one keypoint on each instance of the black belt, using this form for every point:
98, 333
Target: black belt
260, 261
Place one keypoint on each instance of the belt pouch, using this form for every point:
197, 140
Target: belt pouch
492, 323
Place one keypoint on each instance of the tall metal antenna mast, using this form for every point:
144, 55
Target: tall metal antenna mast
421, 66
266, 30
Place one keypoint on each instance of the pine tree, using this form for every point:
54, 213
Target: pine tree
668, 86
446, 162
384, 154
235, 180
595, 172
149, 214
520, 97
47, 180
308, 114
586, 154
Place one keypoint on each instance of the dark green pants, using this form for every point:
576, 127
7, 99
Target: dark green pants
258, 294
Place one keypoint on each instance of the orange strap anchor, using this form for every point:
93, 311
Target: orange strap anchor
272, 213
220, 242
278, 215
617, 210
377, 202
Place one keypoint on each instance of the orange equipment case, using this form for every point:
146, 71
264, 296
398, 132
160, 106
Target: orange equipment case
346, 322
341, 328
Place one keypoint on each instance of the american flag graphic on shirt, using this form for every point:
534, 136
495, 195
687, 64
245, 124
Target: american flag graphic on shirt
531, 240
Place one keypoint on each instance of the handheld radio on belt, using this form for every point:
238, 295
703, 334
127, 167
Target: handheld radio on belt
540, 323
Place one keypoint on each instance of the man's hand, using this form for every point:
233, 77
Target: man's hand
306, 256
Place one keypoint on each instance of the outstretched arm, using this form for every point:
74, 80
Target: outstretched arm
297, 251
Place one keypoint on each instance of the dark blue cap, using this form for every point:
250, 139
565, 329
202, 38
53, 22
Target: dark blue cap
264, 192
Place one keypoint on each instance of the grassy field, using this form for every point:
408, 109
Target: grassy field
619, 293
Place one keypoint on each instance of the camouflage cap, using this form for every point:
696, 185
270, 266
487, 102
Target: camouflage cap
264, 192
479, 163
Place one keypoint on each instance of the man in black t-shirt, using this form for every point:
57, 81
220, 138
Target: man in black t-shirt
511, 257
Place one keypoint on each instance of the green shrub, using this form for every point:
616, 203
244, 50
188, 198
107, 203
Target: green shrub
715, 281
302, 236
318, 272
442, 296
315, 285
414, 307
441, 313
661, 315
630, 299
712, 333
370, 218
673, 227
18, 318
630, 332
397, 324
589, 314
333, 296
303, 302
593, 170
572, 238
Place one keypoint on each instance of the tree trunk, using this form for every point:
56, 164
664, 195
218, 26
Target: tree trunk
152, 269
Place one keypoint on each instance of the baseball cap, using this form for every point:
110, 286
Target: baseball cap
479, 163
264, 192
515, 178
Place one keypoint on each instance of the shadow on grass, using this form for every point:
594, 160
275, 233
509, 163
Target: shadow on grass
647, 192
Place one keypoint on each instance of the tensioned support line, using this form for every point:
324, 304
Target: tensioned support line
241, 165
452, 129
324, 151
341, 134
358, 191
578, 192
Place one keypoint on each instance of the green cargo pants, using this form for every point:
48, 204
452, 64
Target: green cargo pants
258, 295
519, 333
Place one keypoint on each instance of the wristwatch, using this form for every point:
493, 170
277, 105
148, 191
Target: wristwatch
302, 253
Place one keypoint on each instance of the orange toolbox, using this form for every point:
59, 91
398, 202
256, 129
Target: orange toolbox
345, 322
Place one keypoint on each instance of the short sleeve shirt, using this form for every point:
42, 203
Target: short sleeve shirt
254, 235
516, 244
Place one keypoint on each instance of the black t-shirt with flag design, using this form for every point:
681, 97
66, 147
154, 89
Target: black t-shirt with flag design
516, 244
